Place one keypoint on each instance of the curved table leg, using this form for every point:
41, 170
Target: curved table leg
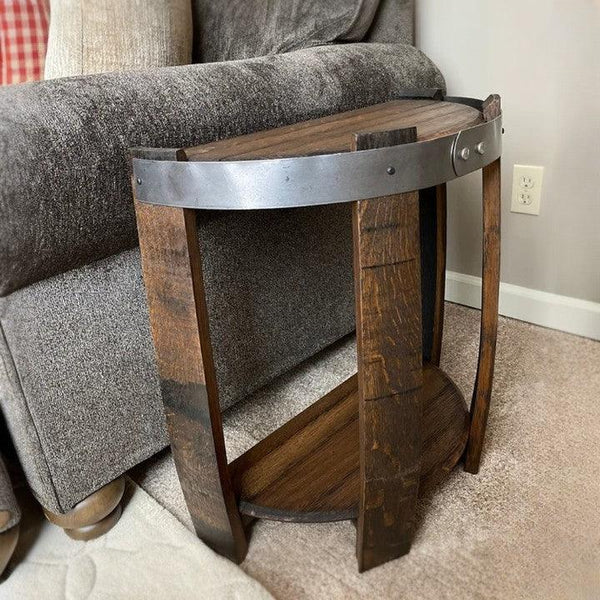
172, 269
440, 273
489, 315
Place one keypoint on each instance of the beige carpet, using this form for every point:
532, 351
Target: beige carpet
149, 555
526, 528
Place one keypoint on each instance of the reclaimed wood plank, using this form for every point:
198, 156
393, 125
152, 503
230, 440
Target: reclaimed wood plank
308, 469
440, 273
482, 392
172, 272
390, 377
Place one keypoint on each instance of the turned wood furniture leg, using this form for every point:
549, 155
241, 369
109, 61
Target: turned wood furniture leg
489, 315
390, 377
93, 516
440, 273
173, 277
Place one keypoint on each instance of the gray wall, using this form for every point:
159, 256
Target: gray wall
543, 57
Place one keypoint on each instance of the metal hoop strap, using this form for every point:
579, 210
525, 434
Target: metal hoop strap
319, 179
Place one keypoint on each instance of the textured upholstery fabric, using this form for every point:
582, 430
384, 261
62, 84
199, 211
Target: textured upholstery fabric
393, 22
362, 21
65, 195
114, 35
7, 499
235, 29
81, 347
22, 428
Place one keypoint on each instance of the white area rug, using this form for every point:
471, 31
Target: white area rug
149, 555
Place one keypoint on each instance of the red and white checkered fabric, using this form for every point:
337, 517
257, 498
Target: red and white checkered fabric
23, 39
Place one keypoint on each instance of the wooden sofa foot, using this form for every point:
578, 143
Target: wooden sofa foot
93, 516
8, 543
90, 532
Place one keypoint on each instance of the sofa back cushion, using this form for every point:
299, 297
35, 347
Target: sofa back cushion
115, 35
393, 23
233, 29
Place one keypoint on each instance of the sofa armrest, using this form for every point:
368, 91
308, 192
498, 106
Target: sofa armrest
65, 196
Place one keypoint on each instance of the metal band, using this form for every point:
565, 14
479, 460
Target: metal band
320, 179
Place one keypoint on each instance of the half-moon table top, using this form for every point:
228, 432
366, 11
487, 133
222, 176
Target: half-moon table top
317, 162
432, 118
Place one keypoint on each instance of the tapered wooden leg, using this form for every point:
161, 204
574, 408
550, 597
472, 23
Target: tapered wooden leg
390, 377
440, 274
173, 277
93, 516
489, 315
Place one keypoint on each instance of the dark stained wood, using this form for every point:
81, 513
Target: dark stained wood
480, 404
284, 475
491, 107
440, 273
445, 427
387, 273
308, 469
173, 277
482, 392
332, 134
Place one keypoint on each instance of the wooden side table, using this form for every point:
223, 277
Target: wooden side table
369, 447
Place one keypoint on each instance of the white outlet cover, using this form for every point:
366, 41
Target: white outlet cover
527, 189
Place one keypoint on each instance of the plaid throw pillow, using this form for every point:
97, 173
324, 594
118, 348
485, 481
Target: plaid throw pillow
23, 38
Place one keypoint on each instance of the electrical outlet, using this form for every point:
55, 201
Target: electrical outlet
527, 189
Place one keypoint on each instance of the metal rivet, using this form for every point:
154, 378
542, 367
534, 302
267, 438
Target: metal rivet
391, 170
139, 181
465, 153
480, 148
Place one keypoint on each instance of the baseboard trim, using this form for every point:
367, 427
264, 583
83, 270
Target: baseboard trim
564, 313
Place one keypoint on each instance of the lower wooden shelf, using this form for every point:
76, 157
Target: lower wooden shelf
307, 470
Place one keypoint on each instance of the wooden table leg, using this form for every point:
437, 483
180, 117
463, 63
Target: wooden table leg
173, 277
489, 315
440, 273
390, 377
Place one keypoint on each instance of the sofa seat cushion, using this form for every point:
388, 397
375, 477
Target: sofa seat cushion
235, 29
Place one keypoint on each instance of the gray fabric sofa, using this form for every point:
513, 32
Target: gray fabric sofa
78, 386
